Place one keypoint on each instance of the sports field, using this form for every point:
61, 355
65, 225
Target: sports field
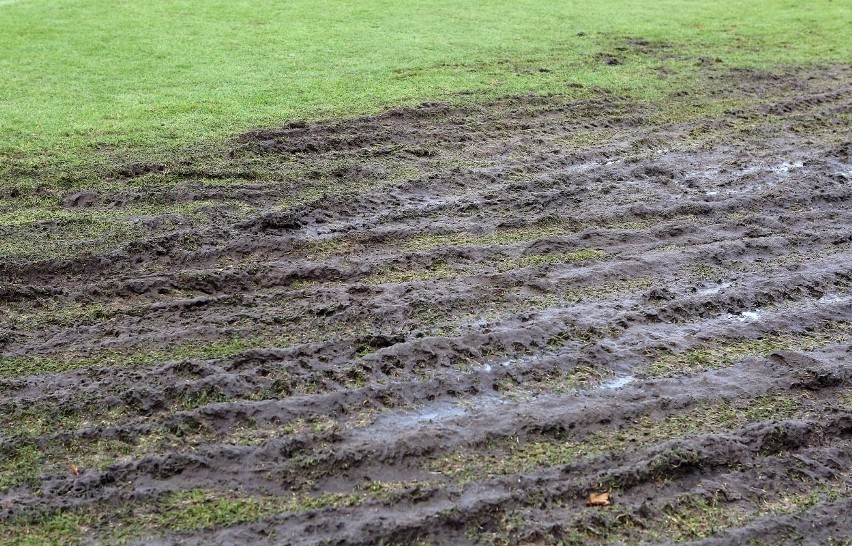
425, 272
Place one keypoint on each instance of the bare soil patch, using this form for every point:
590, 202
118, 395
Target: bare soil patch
452, 325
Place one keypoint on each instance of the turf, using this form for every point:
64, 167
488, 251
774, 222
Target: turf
92, 82
90, 86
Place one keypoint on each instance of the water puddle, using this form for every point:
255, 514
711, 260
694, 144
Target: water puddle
616, 383
584, 167
835, 298
511, 362
441, 411
713, 288
785, 167
751, 188
746, 316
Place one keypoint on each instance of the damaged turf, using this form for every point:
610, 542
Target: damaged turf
448, 325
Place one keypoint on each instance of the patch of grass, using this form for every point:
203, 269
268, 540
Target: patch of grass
23, 466
203, 397
36, 420
47, 212
64, 528
440, 270
331, 186
553, 382
27, 463
546, 228
18, 366
608, 289
726, 354
322, 250
200, 509
514, 235
695, 516
65, 313
706, 272
581, 377
106, 81
532, 260
179, 512
30, 458
450, 323
64, 232
184, 511
688, 516
514, 456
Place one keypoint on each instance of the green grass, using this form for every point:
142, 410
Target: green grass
17, 366
440, 270
87, 82
722, 355
513, 235
514, 456
96, 229
693, 516
183, 511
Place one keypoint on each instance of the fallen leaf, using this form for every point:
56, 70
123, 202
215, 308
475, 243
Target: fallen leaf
599, 499
75, 470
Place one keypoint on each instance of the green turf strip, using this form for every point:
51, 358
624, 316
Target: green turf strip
89, 81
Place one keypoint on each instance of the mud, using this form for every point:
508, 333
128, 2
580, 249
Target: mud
451, 324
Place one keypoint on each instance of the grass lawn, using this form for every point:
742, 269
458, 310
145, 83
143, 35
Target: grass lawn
234, 336
92, 82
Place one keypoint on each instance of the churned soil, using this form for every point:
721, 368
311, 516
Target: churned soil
451, 325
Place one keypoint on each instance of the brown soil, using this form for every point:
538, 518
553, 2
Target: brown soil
453, 326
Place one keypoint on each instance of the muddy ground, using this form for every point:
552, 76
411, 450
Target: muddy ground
449, 325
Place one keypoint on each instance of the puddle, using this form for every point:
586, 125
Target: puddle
750, 188
835, 298
512, 362
617, 383
746, 316
785, 167
584, 167
712, 288
441, 411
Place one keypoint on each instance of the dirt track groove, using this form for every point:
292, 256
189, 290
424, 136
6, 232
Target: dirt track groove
450, 326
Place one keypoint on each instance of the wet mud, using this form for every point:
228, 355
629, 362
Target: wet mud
450, 325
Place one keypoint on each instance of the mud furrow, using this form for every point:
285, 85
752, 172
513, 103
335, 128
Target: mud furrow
449, 325
479, 505
575, 415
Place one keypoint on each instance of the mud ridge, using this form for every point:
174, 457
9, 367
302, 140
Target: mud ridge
450, 325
